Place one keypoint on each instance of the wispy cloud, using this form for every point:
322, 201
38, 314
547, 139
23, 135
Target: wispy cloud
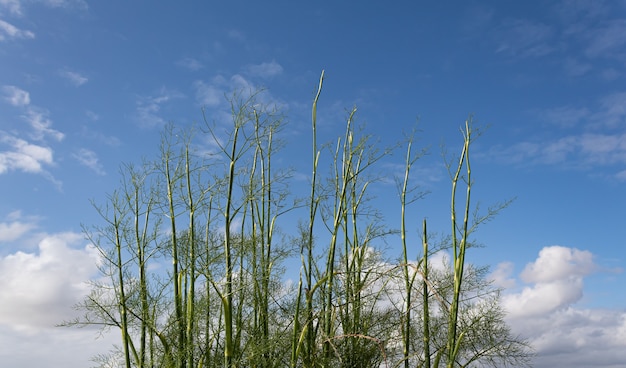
149, 108
520, 37
41, 124
190, 63
10, 32
20, 154
208, 94
214, 94
68, 4
565, 116
612, 112
576, 68
577, 33
89, 159
75, 78
237, 35
36, 117
594, 140
14, 228
16, 96
580, 151
265, 70
607, 40
14, 6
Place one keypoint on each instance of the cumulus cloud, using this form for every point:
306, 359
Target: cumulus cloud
40, 288
501, 276
10, 32
577, 338
545, 312
557, 263
38, 291
15, 96
24, 156
54, 347
556, 282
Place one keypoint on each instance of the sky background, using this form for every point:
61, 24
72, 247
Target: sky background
86, 86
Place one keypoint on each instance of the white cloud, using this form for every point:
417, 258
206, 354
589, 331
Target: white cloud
557, 263
190, 63
583, 151
54, 347
239, 83
90, 159
607, 40
13, 6
24, 156
265, 70
41, 124
149, 108
501, 276
216, 94
16, 96
14, 228
600, 143
565, 116
612, 111
36, 117
39, 289
208, 94
75, 78
9, 31
92, 115
576, 338
520, 37
237, 35
554, 282
621, 176
576, 68
545, 312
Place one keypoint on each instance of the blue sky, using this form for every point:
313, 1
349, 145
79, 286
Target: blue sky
86, 86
